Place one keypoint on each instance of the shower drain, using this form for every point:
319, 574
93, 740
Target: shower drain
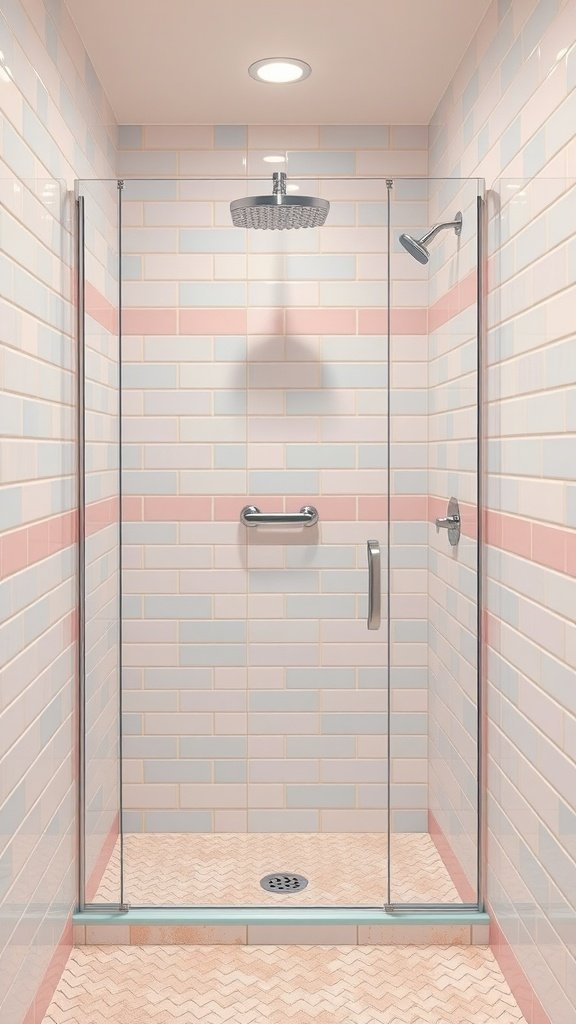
283, 882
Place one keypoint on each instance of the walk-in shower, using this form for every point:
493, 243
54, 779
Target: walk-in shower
279, 667
279, 211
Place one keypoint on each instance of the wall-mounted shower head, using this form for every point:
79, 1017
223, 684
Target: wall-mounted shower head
278, 212
417, 247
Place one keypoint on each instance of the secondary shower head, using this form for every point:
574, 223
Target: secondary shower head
417, 247
279, 211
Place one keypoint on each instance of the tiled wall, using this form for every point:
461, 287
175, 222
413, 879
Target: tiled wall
509, 116
256, 373
52, 129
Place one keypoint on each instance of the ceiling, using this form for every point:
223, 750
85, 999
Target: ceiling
185, 61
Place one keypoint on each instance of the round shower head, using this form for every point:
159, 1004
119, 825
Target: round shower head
415, 248
279, 212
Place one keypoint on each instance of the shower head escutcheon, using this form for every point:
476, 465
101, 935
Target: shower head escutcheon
279, 211
417, 247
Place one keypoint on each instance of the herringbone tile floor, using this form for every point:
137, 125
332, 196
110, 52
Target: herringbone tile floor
275, 985
225, 868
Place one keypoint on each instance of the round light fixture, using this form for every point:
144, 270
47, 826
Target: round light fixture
279, 70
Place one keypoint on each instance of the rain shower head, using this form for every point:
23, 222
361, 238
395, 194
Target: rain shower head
417, 246
278, 212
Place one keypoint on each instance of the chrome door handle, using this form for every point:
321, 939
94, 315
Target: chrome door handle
374, 585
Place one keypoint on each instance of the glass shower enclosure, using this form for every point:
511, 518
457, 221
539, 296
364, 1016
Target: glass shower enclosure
279, 548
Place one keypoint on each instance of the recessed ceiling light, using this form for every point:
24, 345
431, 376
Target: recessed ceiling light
274, 159
279, 70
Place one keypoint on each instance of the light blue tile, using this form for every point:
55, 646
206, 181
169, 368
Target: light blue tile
372, 456
154, 482
320, 746
534, 154
152, 376
180, 606
229, 403
213, 746
212, 293
178, 821
129, 136
213, 654
470, 94
150, 747
319, 403
324, 795
177, 771
141, 189
372, 214
178, 678
230, 136
483, 141
230, 771
320, 162
211, 240
131, 267
221, 631
541, 17
511, 64
411, 188
230, 348
320, 678
11, 508
355, 724
349, 581
229, 456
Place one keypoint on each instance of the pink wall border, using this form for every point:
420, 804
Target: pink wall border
519, 985
47, 986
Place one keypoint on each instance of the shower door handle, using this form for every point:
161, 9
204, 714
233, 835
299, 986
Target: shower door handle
374, 585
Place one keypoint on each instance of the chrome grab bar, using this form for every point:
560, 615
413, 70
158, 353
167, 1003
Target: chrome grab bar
252, 516
374, 585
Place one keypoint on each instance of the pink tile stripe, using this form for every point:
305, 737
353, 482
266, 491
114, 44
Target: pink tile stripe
102, 860
100, 309
551, 546
454, 301
520, 987
30, 544
47, 987
465, 890
403, 320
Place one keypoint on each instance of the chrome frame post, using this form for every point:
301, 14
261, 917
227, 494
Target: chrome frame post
81, 567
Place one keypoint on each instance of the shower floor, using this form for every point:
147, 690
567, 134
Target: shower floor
225, 868
276, 984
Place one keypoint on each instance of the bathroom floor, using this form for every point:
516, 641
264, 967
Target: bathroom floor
276, 984
226, 868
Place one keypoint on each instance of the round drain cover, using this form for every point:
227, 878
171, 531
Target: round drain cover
284, 881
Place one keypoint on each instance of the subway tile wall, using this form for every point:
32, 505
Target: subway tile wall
55, 126
509, 116
255, 372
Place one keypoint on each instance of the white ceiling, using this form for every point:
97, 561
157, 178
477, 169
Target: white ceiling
185, 61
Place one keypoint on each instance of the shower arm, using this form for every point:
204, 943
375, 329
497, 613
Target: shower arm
456, 224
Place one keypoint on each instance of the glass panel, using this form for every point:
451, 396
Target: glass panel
317, 422
434, 585
254, 373
102, 868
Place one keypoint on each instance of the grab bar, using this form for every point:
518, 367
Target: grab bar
252, 516
374, 588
